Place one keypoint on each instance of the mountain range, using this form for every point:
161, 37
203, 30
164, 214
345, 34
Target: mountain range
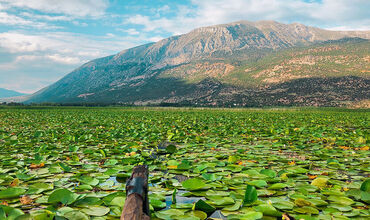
5, 93
244, 63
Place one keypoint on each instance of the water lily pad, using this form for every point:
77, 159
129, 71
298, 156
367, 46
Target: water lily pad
86, 201
317, 202
204, 206
118, 201
193, 184
76, 215
365, 186
234, 207
340, 207
268, 172
320, 182
42, 215
232, 159
250, 195
38, 188
199, 214
307, 210
302, 202
9, 213
267, 209
11, 192
285, 205
341, 200
221, 201
247, 216
258, 183
63, 196
169, 214
88, 180
157, 204
278, 186
171, 148
96, 210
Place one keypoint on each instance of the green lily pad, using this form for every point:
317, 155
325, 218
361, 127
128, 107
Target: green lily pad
284, 205
320, 182
11, 192
302, 202
96, 210
267, 209
234, 207
42, 215
169, 214
250, 195
118, 201
88, 180
63, 196
278, 186
307, 210
341, 200
9, 213
76, 215
198, 214
248, 216
258, 183
340, 207
171, 148
269, 173
203, 206
157, 204
193, 184
38, 188
221, 201
365, 186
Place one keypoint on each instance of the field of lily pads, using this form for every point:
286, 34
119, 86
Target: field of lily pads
72, 163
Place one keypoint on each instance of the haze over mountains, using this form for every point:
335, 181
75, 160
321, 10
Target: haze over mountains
5, 93
263, 63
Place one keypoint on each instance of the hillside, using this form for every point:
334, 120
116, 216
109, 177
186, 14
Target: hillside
242, 63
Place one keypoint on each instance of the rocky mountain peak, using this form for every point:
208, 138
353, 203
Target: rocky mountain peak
156, 70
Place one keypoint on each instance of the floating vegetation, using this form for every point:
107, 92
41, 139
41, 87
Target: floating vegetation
72, 163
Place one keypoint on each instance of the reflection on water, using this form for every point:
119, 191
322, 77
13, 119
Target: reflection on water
190, 200
217, 215
181, 199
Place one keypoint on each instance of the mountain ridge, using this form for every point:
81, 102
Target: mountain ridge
229, 53
7, 93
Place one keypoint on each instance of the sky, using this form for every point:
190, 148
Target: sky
43, 40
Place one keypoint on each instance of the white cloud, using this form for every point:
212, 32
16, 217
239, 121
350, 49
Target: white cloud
81, 24
132, 31
155, 39
3, 7
110, 35
177, 25
162, 10
350, 28
64, 59
47, 17
16, 42
26, 58
10, 20
57, 58
49, 56
62, 42
79, 8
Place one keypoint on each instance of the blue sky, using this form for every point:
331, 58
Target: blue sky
43, 40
